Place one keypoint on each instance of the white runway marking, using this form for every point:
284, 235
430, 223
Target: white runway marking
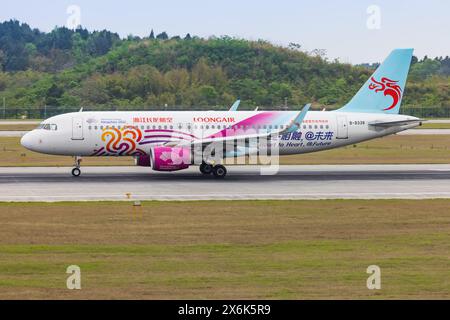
12, 133
243, 182
425, 132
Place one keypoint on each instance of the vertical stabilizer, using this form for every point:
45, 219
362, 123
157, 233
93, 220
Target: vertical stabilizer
384, 90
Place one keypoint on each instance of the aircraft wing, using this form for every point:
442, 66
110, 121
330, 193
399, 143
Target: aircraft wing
290, 127
295, 125
235, 105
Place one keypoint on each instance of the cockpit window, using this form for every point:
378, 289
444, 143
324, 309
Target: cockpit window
48, 126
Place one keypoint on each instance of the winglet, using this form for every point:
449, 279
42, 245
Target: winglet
295, 124
235, 105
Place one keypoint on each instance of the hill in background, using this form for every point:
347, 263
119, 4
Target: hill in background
100, 70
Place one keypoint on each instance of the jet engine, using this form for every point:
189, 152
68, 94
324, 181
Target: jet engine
166, 159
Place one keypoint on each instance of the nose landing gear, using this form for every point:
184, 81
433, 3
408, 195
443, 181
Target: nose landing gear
76, 172
219, 171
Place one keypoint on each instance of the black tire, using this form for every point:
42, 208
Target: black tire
206, 168
220, 171
76, 172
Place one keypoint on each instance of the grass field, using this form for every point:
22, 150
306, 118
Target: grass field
392, 149
17, 127
239, 249
434, 126
13, 154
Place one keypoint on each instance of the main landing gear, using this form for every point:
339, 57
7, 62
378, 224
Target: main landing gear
219, 171
76, 171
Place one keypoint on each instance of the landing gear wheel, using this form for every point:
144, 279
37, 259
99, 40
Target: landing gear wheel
219, 171
206, 168
76, 172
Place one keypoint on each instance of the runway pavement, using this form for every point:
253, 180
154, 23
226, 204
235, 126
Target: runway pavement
425, 132
12, 133
438, 121
242, 182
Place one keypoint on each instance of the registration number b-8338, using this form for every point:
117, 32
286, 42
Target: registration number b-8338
357, 123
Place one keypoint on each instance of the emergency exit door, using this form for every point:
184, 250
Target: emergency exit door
77, 129
342, 127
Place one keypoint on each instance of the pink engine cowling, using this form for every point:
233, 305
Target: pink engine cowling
170, 158
166, 159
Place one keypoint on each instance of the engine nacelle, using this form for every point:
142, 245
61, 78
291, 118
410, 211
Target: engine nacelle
170, 158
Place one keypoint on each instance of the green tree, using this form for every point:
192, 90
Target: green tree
162, 36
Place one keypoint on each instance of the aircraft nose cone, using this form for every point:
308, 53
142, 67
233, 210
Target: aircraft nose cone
27, 141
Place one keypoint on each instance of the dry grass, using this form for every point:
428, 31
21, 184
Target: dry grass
13, 154
396, 149
240, 249
17, 127
393, 149
426, 125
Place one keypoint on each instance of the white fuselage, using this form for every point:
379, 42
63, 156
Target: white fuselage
96, 133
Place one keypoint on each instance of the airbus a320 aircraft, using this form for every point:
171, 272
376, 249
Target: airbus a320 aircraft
170, 141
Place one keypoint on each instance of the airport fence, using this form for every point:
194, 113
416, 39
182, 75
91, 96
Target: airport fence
43, 112
428, 112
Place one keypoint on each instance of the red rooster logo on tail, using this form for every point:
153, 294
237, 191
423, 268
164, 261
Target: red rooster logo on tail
389, 87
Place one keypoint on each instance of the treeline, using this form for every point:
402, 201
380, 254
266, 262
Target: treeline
23, 48
100, 70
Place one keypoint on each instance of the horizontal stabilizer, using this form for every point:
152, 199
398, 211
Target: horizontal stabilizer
394, 123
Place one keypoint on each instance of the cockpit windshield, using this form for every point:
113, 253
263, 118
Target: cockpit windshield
48, 126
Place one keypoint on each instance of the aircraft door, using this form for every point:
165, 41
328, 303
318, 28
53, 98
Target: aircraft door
77, 129
342, 127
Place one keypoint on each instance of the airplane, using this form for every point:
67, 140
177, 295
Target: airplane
176, 140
